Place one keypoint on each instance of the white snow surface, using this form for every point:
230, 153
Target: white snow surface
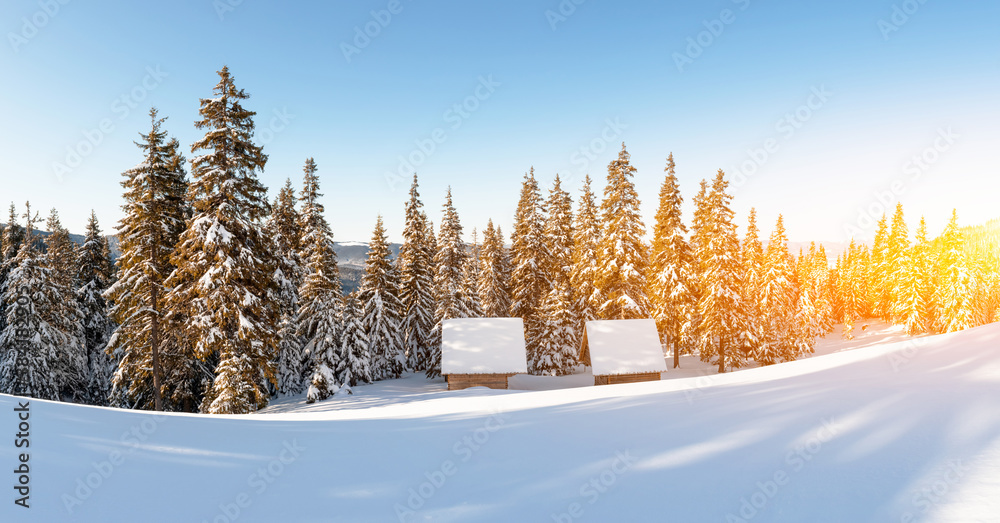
483, 346
624, 347
887, 431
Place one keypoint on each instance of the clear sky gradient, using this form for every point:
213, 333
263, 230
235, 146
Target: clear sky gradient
839, 102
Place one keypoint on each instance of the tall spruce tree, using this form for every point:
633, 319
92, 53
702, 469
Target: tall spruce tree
28, 343
470, 280
528, 283
223, 281
155, 211
556, 345
753, 327
914, 305
719, 279
622, 254
321, 292
13, 236
554, 339
95, 274
952, 297
416, 291
283, 229
583, 277
69, 367
381, 308
671, 296
450, 289
878, 278
494, 293
777, 300
897, 252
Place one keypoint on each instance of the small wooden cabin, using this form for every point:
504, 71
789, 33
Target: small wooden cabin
482, 352
622, 351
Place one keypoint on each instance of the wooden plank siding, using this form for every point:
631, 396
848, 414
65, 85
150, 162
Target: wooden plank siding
464, 381
612, 379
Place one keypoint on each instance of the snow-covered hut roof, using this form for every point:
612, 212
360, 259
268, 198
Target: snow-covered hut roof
613, 347
483, 346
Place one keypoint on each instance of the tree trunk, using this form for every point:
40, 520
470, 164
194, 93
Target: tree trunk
154, 342
722, 356
677, 352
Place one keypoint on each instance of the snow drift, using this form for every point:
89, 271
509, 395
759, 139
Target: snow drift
907, 431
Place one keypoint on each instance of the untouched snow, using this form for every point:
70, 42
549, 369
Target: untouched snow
624, 347
889, 432
483, 346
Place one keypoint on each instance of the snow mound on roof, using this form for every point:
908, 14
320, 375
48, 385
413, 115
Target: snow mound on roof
483, 346
624, 347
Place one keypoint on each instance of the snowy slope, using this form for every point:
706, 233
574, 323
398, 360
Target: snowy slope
906, 431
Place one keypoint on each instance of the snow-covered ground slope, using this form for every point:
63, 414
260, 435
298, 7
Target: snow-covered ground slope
894, 431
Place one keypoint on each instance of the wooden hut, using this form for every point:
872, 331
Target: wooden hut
482, 352
622, 351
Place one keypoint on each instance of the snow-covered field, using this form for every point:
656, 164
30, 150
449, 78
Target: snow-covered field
882, 428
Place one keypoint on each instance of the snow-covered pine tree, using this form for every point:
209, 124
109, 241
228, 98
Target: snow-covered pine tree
13, 236
622, 253
913, 308
897, 251
155, 212
528, 282
28, 343
557, 234
878, 282
70, 364
449, 262
282, 228
953, 292
494, 293
224, 275
95, 274
380, 315
777, 300
416, 291
556, 344
556, 354
327, 319
353, 361
671, 296
470, 280
583, 277
753, 328
321, 293
719, 279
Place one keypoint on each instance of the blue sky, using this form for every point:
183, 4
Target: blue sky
839, 102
